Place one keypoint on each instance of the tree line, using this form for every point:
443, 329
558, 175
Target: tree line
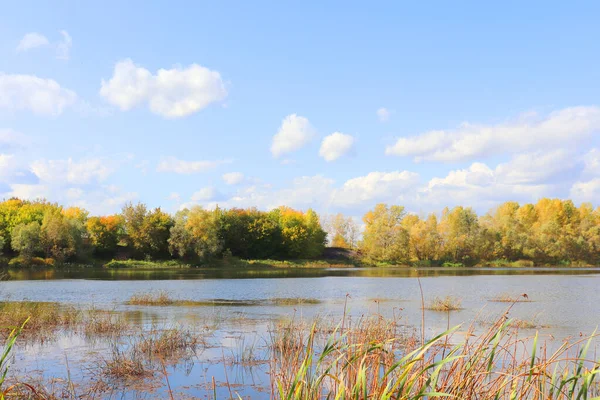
31, 229
551, 231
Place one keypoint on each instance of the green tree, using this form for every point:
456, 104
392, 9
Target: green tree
26, 239
61, 237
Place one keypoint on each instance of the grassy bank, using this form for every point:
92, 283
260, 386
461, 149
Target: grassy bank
230, 263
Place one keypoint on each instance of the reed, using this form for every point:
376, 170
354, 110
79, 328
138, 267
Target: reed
370, 361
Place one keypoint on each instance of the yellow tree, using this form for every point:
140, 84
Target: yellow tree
384, 238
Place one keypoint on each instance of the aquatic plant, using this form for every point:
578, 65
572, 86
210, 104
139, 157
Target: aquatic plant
448, 303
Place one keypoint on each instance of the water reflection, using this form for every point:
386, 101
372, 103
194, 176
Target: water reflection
246, 273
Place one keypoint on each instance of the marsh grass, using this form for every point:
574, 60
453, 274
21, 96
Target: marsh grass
162, 298
124, 364
99, 322
445, 304
44, 318
369, 360
167, 343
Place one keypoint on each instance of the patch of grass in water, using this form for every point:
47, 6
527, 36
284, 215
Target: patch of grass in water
448, 303
44, 317
162, 298
293, 301
99, 322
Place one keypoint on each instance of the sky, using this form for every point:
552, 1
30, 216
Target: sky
334, 105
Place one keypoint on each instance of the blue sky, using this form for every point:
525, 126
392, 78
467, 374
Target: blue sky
334, 106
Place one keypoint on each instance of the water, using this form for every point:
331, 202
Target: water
564, 303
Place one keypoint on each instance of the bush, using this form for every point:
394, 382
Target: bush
20, 262
453, 264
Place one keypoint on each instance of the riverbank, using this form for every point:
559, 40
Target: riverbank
234, 262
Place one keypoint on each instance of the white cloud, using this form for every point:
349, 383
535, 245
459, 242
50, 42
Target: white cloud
586, 191
376, 186
591, 162
481, 187
29, 192
233, 178
529, 132
7, 166
304, 192
71, 172
171, 93
63, 47
172, 164
31, 41
294, 133
204, 194
537, 167
38, 95
335, 145
384, 114
10, 138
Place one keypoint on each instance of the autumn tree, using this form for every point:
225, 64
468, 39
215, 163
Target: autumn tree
195, 234
384, 237
459, 230
146, 232
104, 234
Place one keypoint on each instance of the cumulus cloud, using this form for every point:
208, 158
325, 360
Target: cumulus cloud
31, 93
233, 178
294, 133
204, 194
63, 47
527, 133
480, 186
171, 93
335, 145
592, 162
374, 187
71, 172
32, 40
384, 114
537, 167
586, 190
172, 164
